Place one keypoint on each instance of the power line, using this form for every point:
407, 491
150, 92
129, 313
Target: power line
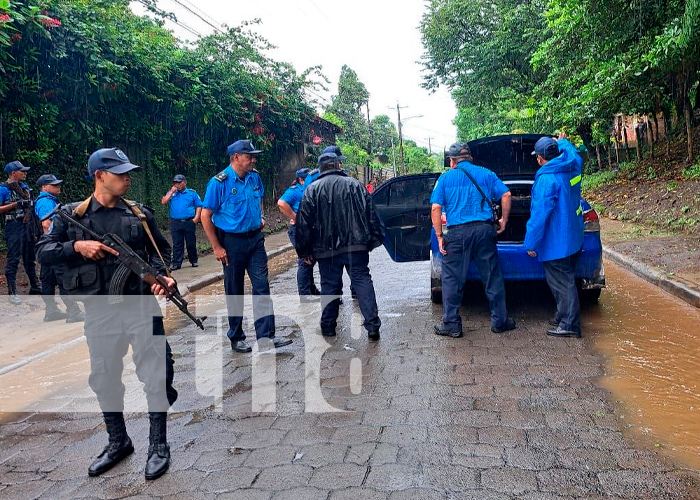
200, 11
216, 28
175, 21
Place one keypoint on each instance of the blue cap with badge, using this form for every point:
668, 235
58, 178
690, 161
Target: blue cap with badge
15, 166
112, 160
48, 179
547, 148
243, 146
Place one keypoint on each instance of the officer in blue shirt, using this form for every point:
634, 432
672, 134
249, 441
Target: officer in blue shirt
289, 206
51, 276
555, 230
15, 209
185, 213
232, 218
471, 237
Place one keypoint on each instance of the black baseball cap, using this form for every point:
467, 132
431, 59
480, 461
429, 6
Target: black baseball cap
15, 166
336, 151
48, 179
179, 178
458, 149
243, 146
113, 160
327, 159
547, 148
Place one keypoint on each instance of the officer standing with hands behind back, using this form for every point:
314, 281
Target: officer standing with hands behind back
233, 219
51, 276
15, 209
185, 213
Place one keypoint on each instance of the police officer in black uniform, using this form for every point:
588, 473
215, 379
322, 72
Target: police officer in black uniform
114, 323
16, 213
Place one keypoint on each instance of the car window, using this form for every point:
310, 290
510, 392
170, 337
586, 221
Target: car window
381, 197
414, 191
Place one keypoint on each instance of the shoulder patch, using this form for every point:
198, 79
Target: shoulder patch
221, 176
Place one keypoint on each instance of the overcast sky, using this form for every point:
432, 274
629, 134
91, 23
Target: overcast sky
379, 39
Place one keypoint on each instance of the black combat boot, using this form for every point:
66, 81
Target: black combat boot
119, 446
75, 314
12, 296
158, 449
52, 313
34, 287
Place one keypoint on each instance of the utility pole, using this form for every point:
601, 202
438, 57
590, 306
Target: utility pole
430, 147
398, 114
369, 145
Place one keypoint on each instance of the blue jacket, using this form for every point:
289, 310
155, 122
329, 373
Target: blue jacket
555, 228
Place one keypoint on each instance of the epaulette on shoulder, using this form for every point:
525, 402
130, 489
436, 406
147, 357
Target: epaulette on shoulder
221, 176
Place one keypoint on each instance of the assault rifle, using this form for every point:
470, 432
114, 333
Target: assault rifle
130, 262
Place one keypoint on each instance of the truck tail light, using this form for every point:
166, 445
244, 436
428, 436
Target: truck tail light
591, 223
443, 219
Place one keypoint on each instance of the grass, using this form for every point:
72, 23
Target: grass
692, 172
598, 179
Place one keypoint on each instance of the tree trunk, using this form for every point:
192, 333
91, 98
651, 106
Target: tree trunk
683, 96
656, 127
597, 154
609, 156
627, 142
585, 131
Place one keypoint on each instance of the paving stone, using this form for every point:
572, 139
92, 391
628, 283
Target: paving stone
175, 482
358, 493
418, 494
633, 484
452, 434
509, 480
524, 457
260, 439
247, 494
424, 453
343, 419
338, 476
384, 417
355, 434
301, 494
229, 480
304, 437
568, 482
361, 454
475, 418
642, 460
479, 494
404, 435
319, 455
502, 436
392, 477
522, 420
455, 478
270, 457
587, 459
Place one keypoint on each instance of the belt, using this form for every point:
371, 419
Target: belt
472, 223
183, 220
246, 234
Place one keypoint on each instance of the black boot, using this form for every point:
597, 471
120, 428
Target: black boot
53, 313
12, 296
75, 314
119, 446
34, 287
158, 449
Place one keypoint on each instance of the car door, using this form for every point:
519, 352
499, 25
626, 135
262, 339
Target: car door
403, 205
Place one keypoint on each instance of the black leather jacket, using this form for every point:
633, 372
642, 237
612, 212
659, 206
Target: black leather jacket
336, 215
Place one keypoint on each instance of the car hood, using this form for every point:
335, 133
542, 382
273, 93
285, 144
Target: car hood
509, 156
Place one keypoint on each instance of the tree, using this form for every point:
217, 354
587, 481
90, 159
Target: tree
385, 134
348, 106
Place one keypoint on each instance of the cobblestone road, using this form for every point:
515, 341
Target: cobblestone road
482, 417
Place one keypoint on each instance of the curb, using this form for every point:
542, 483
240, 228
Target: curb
211, 278
655, 277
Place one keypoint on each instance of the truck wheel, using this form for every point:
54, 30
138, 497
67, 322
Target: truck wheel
589, 296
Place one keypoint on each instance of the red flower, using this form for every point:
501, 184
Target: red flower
258, 130
50, 22
5, 18
272, 137
16, 38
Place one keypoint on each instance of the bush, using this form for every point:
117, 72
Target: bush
598, 179
692, 172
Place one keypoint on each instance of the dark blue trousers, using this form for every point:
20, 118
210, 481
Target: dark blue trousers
561, 278
50, 279
183, 232
305, 272
246, 252
331, 270
464, 244
19, 246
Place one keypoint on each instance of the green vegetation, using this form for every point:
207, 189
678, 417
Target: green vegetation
692, 172
593, 181
77, 75
546, 65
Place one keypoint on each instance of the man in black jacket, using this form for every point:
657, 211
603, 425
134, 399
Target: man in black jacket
337, 225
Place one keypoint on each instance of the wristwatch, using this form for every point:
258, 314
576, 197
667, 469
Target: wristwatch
439, 235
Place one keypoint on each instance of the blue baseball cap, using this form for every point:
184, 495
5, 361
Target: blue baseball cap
302, 173
48, 179
547, 148
243, 146
327, 158
113, 160
15, 166
336, 151
179, 178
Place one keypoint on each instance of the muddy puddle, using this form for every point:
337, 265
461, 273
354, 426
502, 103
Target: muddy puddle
652, 344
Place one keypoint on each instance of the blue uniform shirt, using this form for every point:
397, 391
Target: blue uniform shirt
45, 204
293, 196
313, 175
183, 205
5, 192
235, 201
462, 202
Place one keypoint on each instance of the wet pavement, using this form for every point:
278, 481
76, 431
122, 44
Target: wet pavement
516, 415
